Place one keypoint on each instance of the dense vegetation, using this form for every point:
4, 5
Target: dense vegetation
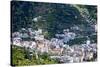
55, 17
20, 56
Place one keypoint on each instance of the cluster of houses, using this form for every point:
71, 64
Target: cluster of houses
78, 53
57, 47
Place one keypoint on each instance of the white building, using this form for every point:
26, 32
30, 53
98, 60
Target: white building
25, 43
88, 42
36, 19
33, 45
16, 41
39, 37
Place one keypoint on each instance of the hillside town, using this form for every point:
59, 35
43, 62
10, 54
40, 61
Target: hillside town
57, 47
